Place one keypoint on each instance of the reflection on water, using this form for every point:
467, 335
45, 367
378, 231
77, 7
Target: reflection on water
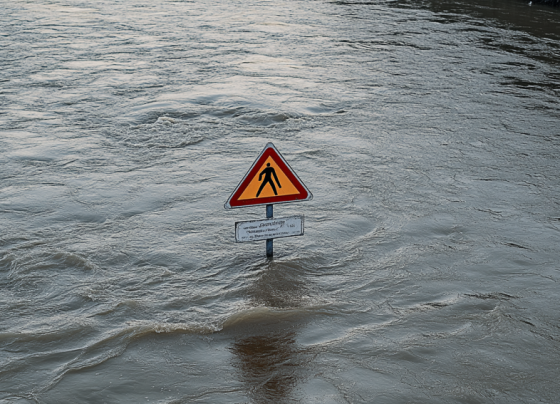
269, 359
268, 365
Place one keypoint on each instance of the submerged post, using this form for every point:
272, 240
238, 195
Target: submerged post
269, 245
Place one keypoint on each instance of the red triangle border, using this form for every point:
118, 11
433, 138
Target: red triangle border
269, 151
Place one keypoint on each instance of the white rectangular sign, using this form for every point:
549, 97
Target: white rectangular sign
255, 230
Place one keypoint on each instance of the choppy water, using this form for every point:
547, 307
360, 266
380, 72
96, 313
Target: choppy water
428, 132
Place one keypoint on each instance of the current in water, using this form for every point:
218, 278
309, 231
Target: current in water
427, 131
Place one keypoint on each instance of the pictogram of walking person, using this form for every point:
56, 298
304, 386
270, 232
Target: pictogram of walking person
267, 172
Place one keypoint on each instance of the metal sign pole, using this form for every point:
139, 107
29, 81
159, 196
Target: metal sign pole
269, 245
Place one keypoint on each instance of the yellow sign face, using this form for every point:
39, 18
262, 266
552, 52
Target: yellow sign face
269, 181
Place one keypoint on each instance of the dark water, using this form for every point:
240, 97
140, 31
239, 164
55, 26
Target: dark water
428, 132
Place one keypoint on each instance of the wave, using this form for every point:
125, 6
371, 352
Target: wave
266, 314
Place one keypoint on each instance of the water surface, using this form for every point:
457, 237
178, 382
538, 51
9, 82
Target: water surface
427, 131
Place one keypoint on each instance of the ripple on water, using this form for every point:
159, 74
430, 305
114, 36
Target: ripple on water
427, 133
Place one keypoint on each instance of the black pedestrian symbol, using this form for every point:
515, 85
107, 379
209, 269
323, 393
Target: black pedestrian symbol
268, 179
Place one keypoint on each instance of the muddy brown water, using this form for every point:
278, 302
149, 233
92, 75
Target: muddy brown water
428, 132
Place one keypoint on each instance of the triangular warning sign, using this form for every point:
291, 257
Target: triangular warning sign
269, 180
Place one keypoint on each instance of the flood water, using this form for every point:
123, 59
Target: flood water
427, 131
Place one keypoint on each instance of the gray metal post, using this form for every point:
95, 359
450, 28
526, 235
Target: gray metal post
269, 245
